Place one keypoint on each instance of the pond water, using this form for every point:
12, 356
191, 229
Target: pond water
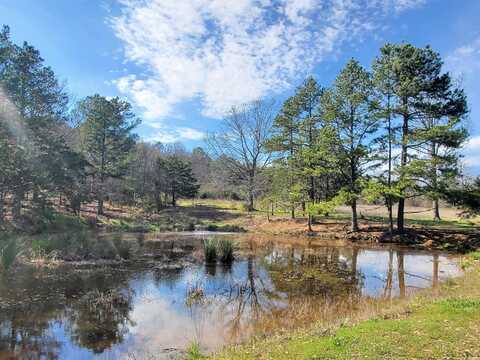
157, 306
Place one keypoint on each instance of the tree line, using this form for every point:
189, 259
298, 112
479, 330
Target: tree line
52, 147
382, 134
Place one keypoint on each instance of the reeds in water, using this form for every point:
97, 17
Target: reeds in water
210, 250
225, 249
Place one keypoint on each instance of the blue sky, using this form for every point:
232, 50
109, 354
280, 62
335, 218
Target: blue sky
183, 63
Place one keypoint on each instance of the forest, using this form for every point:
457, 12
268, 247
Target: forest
337, 223
380, 135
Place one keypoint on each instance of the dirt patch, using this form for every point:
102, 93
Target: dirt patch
370, 232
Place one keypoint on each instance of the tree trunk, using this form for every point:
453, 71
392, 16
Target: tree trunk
389, 179
400, 215
17, 204
310, 223
251, 181
2, 206
403, 164
354, 215
100, 205
158, 202
390, 216
250, 200
293, 212
100, 190
174, 199
436, 210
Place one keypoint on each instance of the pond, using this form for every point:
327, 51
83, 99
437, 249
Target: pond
160, 304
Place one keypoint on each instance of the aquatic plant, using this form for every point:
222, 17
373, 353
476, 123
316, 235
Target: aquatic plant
195, 295
225, 249
210, 250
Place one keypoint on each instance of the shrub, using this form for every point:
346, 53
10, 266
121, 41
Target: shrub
225, 249
210, 250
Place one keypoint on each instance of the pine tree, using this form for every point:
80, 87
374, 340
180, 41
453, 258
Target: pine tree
107, 139
422, 96
174, 178
39, 102
349, 107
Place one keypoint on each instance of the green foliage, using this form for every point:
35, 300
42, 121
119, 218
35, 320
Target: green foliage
194, 352
375, 190
430, 111
106, 138
210, 250
327, 207
175, 178
226, 249
466, 196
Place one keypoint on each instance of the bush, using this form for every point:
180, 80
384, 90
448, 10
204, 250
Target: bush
210, 250
225, 249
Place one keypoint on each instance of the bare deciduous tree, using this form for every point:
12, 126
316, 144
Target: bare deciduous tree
241, 144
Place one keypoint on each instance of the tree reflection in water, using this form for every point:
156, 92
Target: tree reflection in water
24, 337
267, 288
279, 286
101, 319
38, 300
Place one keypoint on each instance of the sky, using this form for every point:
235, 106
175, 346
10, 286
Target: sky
183, 63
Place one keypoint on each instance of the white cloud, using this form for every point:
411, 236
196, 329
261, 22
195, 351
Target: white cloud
464, 63
472, 152
167, 135
402, 5
227, 52
465, 60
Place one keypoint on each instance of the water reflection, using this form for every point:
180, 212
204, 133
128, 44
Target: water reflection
112, 312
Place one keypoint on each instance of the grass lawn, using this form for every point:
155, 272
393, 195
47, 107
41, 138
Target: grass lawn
444, 326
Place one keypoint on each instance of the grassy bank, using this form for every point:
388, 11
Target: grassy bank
437, 324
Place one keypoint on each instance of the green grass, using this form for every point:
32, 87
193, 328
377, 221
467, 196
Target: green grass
451, 224
445, 327
193, 352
